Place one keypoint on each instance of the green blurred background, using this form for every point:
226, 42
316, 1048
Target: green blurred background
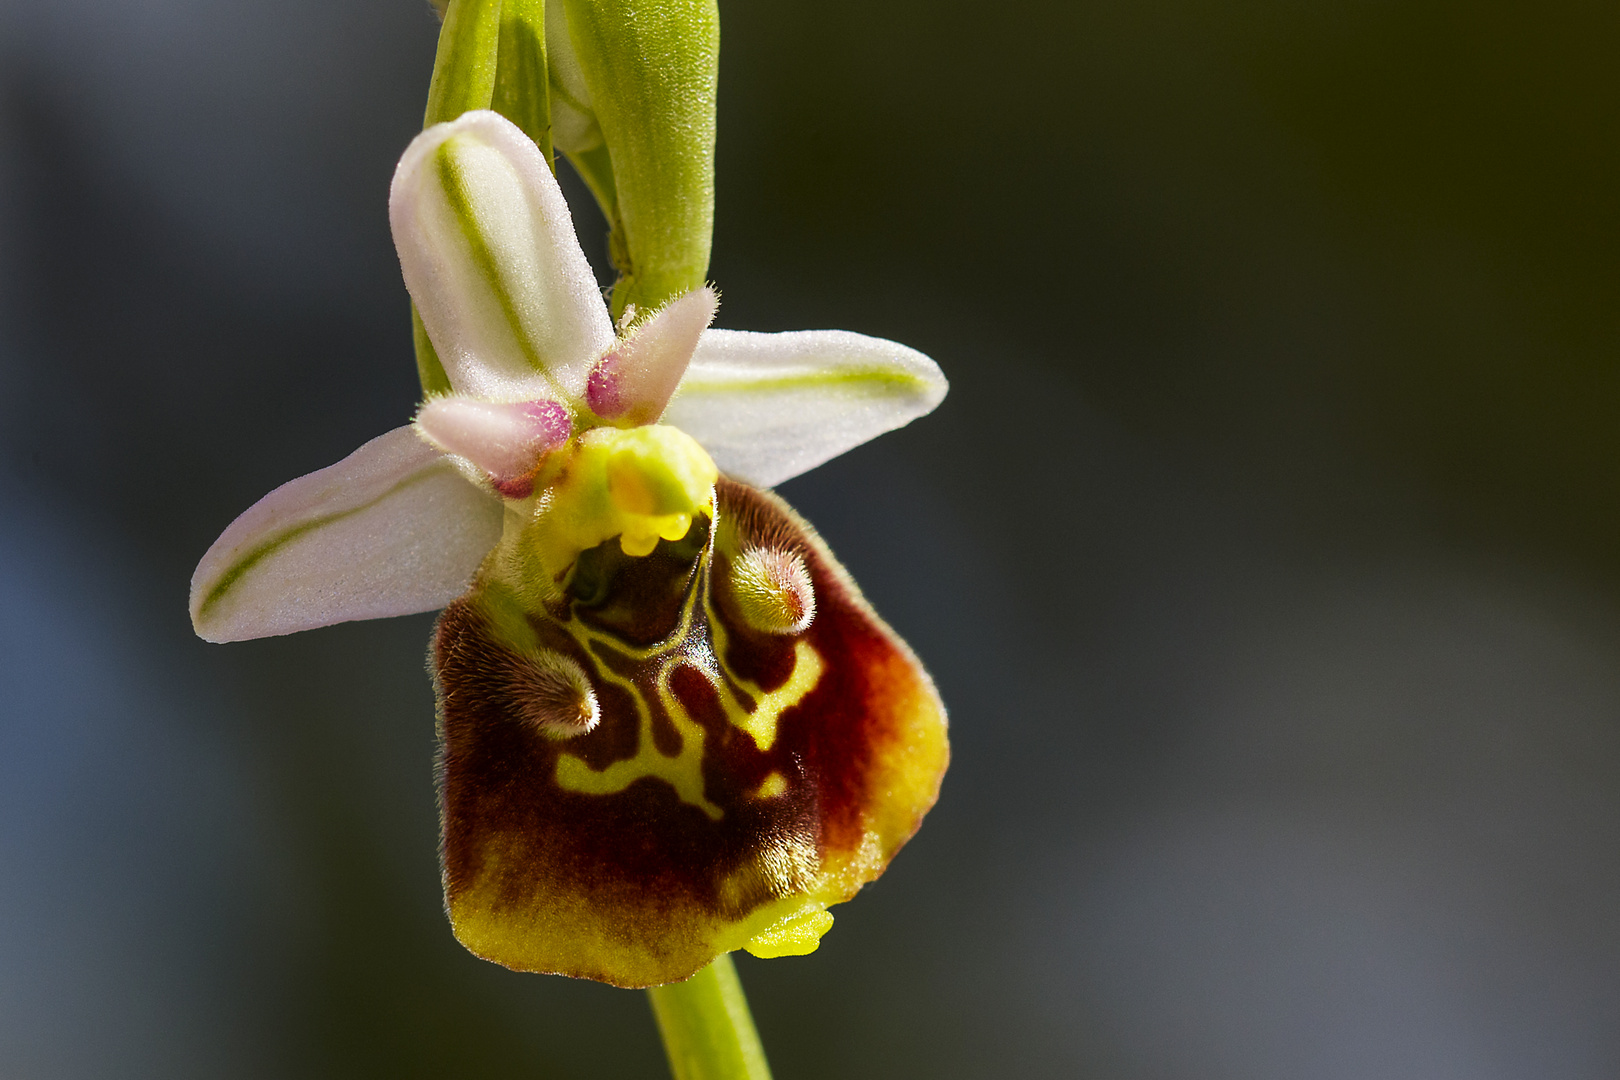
1265, 550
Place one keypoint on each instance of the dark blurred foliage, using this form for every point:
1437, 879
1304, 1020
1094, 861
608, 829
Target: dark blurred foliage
1264, 550
1329, 241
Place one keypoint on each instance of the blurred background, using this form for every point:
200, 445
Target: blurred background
1267, 550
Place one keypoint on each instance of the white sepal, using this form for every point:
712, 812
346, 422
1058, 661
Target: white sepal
489, 254
768, 407
392, 529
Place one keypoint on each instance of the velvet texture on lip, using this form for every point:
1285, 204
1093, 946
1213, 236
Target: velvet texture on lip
738, 782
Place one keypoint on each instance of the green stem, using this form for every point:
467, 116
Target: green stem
652, 69
708, 1032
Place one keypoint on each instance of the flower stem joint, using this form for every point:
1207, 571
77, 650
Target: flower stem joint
670, 725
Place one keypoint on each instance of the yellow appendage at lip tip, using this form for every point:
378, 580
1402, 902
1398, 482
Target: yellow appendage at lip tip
683, 771
798, 936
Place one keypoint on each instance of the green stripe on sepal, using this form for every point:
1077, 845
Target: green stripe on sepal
393, 528
874, 380
769, 406
488, 252
256, 555
462, 193
464, 72
652, 67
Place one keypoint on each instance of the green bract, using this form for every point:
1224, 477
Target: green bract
645, 72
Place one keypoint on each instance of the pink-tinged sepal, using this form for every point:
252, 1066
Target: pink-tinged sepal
392, 529
632, 384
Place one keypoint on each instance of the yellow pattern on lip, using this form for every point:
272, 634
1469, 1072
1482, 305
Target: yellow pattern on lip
771, 787
684, 771
768, 707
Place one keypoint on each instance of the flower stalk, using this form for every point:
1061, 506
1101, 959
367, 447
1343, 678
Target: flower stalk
465, 64
707, 1029
651, 71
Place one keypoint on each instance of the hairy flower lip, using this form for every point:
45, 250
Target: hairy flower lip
741, 779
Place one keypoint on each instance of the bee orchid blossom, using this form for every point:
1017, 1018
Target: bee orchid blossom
670, 725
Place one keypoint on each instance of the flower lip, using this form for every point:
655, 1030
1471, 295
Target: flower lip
737, 783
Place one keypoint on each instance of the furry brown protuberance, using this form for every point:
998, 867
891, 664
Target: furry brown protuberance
774, 591
553, 693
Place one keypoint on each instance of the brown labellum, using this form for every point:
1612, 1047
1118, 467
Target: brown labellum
763, 745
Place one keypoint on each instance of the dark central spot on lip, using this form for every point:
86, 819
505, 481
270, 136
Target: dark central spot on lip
637, 599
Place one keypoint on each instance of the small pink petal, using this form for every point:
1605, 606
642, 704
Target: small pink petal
603, 386
631, 384
504, 439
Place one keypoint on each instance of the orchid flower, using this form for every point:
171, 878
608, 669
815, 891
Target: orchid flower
670, 725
